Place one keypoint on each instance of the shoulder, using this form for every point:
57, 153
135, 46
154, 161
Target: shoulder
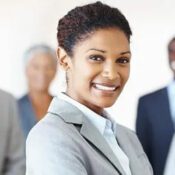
5, 95
52, 146
51, 137
153, 96
6, 99
51, 129
8, 110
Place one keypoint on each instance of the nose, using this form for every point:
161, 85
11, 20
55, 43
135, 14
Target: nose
110, 71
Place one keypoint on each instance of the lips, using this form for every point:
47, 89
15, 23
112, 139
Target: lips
105, 87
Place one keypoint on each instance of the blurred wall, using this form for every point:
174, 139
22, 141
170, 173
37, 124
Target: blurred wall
23, 23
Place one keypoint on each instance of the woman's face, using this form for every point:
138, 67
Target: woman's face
40, 71
99, 69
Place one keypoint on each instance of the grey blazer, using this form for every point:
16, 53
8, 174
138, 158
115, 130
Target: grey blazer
66, 143
12, 160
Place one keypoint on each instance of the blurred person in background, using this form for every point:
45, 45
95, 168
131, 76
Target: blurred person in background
12, 161
40, 68
155, 123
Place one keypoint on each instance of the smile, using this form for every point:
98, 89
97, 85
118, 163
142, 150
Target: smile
105, 87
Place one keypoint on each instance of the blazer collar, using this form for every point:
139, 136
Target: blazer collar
71, 114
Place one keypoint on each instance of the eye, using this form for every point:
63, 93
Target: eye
123, 60
97, 58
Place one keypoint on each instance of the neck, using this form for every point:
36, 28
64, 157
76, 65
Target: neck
39, 94
40, 102
94, 108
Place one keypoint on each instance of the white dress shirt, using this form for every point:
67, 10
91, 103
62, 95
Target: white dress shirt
170, 163
105, 127
171, 97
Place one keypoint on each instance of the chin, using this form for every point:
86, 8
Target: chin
106, 104
40, 89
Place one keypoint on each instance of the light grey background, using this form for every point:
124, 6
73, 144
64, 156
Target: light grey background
23, 23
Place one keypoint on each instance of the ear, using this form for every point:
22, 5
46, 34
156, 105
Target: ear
63, 59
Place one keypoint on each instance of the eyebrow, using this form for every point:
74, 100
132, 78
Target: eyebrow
103, 51
99, 50
127, 52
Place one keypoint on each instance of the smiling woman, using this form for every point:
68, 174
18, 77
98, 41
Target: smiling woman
105, 55
77, 136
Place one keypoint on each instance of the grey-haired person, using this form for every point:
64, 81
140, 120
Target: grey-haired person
40, 68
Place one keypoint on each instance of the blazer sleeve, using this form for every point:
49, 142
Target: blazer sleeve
143, 127
15, 155
50, 152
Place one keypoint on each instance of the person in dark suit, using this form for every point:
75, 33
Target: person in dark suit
40, 66
12, 158
156, 119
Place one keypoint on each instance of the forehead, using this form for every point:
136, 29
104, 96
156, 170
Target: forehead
41, 58
111, 39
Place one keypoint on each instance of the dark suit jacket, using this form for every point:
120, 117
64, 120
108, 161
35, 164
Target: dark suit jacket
154, 127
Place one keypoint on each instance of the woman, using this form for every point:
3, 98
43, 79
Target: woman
77, 136
40, 65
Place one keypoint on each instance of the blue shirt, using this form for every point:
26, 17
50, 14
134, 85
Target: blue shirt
27, 115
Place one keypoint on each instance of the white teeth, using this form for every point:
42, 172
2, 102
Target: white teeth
105, 88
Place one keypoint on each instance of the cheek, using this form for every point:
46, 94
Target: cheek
84, 73
31, 75
125, 74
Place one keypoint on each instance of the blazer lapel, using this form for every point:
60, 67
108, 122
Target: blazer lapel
129, 146
71, 114
93, 135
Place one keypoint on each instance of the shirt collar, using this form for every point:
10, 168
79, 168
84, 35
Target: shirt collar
171, 88
98, 121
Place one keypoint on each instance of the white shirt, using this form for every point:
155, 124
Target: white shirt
170, 163
105, 127
171, 96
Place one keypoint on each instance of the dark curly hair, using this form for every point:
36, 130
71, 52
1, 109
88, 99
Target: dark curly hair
82, 21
